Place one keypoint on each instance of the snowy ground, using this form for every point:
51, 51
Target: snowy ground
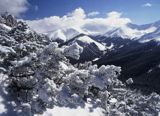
6, 107
66, 111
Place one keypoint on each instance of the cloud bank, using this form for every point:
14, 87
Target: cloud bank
94, 13
147, 5
15, 7
79, 19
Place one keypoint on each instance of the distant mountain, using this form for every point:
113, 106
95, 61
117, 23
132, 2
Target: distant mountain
113, 43
151, 36
139, 61
63, 35
133, 47
128, 31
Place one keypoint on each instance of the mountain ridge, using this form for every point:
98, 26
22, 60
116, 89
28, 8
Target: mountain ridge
128, 31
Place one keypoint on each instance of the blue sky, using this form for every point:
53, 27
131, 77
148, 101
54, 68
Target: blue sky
133, 9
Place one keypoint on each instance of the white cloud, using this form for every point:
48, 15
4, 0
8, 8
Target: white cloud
113, 19
73, 19
15, 7
36, 7
77, 13
95, 13
114, 14
78, 18
147, 5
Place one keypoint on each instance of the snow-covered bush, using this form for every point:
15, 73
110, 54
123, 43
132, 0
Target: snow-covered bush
73, 51
40, 80
8, 19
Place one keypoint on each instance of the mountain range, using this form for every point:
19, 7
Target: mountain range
128, 31
133, 47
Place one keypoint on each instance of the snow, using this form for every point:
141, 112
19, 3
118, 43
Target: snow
3, 26
65, 33
57, 83
43, 96
2, 106
127, 32
28, 31
150, 70
57, 35
73, 51
2, 69
6, 105
144, 41
88, 40
111, 46
150, 30
72, 32
129, 81
95, 59
113, 100
21, 61
5, 49
157, 39
63, 65
79, 111
124, 31
121, 46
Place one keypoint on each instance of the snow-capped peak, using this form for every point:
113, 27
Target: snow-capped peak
129, 33
151, 36
66, 33
88, 40
57, 35
5, 27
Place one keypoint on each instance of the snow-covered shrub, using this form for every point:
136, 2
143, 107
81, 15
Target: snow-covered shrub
8, 19
129, 81
73, 51
105, 76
